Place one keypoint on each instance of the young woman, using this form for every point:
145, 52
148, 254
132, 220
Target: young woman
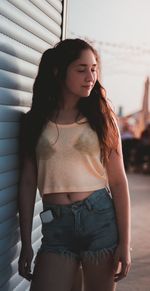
71, 152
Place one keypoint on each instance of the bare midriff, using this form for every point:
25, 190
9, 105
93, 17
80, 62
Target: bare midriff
65, 197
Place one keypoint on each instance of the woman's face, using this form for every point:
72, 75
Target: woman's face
81, 75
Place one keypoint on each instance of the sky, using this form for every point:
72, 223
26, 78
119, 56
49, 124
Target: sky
120, 30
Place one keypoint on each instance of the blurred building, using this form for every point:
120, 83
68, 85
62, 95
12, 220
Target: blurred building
137, 121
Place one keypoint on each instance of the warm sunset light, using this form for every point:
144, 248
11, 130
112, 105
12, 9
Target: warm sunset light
119, 30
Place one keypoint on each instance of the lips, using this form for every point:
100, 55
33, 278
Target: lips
88, 86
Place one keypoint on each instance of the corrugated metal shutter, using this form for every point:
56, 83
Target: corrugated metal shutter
27, 29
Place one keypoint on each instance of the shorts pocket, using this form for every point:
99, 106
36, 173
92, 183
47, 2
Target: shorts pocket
103, 204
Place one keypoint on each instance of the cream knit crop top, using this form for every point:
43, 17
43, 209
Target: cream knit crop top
68, 159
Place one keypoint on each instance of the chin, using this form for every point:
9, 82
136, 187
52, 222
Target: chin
86, 94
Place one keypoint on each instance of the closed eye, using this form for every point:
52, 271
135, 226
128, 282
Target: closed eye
82, 71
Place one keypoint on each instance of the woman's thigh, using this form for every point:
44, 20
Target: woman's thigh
53, 272
78, 281
99, 277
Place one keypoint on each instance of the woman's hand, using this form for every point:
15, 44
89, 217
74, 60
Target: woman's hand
25, 261
122, 262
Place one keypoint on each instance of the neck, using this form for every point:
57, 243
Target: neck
69, 102
68, 107
67, 113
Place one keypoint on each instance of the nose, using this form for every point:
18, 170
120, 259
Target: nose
89, 76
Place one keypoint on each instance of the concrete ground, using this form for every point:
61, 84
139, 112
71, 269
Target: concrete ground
139, 277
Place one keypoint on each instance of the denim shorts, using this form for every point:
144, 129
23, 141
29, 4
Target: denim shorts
84, 230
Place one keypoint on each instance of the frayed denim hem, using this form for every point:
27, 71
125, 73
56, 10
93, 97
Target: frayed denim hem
95, 257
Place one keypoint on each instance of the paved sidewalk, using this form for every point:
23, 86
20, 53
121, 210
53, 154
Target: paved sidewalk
139, 277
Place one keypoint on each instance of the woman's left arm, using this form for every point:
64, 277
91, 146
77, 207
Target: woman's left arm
120, 193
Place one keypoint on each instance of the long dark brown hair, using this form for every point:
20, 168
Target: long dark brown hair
46, 99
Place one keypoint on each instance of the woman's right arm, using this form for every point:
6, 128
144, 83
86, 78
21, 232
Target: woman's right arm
26, 202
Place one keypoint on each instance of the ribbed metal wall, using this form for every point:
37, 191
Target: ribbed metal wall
27, 29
